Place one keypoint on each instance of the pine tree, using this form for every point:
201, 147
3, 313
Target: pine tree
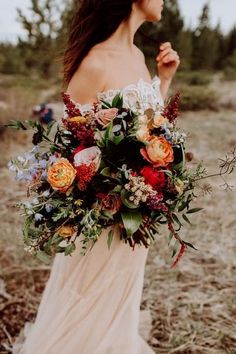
205, 43
231, 41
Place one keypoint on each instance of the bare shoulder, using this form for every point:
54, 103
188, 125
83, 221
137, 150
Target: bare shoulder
88, 79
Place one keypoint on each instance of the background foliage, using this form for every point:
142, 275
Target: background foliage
46, 30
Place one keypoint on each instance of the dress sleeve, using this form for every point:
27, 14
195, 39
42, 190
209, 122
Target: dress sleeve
156, 82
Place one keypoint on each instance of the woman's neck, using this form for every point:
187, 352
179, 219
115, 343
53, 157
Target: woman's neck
123, 37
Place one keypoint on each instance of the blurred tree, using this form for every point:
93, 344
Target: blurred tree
41, 26
205, 43
10, 59
222, 48
231, 41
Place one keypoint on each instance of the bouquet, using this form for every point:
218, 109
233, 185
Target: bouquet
109, 165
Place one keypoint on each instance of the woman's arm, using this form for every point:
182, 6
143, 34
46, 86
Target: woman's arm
167, 65
164, 87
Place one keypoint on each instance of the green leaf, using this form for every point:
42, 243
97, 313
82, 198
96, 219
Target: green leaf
16, 124
108, 132
43, 256
125, 201
170, 237
194, 210
117, 101
106, 172
167, 172
190, 245
176, 219
69, 249
110, 238
105, 104
175, 248
183, 205
131, 221
117, 188
117, 139
49, 127
186, 219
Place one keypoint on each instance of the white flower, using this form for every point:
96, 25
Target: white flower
20, 159
38, 216
88, 156
35, 201
46, 193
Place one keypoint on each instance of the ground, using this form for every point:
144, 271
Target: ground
190, 309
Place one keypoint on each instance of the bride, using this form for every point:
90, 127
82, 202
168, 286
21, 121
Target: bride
91, 303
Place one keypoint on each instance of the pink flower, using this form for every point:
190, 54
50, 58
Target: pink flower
105, 116
87, 156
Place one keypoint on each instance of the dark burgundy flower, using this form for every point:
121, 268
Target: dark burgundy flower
171, 111
71, 109
155, 202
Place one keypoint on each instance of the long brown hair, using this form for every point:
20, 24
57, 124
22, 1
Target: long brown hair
93, 22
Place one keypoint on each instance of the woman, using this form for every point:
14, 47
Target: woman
91, 303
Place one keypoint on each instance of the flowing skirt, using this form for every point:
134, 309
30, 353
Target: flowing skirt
91, 303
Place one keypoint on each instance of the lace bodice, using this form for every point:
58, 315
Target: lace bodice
137, 96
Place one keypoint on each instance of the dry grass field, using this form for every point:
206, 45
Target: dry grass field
192, 308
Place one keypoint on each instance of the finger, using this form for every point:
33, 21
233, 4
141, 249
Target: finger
170, 57
165, 45
165, 52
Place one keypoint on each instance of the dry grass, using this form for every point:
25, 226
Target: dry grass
193, 307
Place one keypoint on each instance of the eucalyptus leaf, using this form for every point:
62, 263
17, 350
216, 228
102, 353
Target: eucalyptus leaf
131, 221
110, 238
69, 249
116, 128
43, 256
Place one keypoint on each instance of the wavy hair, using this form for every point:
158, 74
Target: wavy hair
93, 22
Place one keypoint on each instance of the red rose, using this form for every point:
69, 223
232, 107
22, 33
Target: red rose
153, 177
101, 195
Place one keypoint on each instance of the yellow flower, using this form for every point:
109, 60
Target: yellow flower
78, 119
66, 231
61, 175
179, 185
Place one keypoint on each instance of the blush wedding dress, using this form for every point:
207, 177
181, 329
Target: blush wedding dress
91, 303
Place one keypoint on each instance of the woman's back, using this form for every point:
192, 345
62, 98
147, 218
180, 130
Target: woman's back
104, 69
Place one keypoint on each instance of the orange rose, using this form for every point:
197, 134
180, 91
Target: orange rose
158, 152
66, 231
61, 175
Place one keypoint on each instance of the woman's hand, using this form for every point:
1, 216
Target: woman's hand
167, 62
